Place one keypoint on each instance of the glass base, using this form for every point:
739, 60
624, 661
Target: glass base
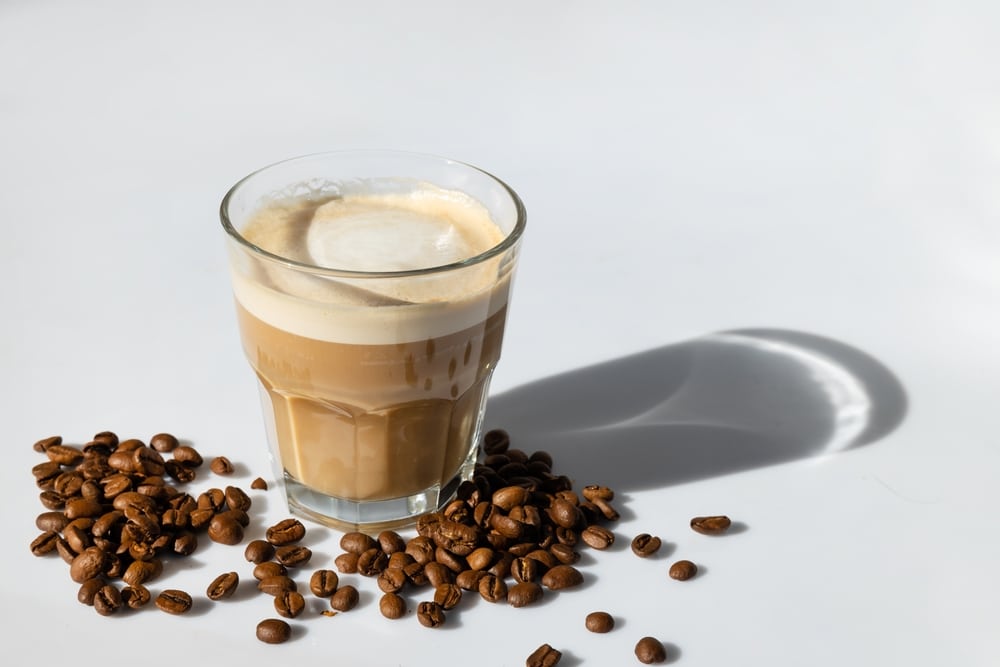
368, 516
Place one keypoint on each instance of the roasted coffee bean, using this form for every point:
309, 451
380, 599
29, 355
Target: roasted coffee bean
496, 441
323, 583
469, 580
416, 575
276, 584
45, 443
346, 563
53, 520
273, 631
258, 484
545, 559
501, 568
185, 543
65, 551
68, 484
451, 561
561, 577
45, 543
645, 545
428, 523
481, 558
683, 570
46, 474
509, 497
187, 456
259, 551
142, 571
88, 590
524, 593
565, 514
65, 455
391, 542
136, 597
163, 442
289, 604
456, 538
107, 523
421, 549
710, 525
438, 573
220, 465
506, 526
544, 656
202, 518
225, 529
564, 553
89, 564
82, 507
525, 569
607, 511
392, 605
223, 586
492, 588
174, 601
399, 560
357, 543
237, 499
345, 599
650, 650
147, 461
594, 492
458, 510
391, 580
286, 531
447, 595
108, 600
180, 472
430, 614
51, 500
597, 537
600, 622
213, 499
372, 562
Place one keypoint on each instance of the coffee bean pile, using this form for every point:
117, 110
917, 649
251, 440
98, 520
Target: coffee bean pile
116, 513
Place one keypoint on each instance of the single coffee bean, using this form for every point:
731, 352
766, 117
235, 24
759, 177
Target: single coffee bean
399, 560
594, 492
259, 484
237, 499
492, 588
108, 600
187, 456
174, 601
223, 586
683, 570
598, 537
544, 656
650, 650
323, 583
600, 622
357, 542
391, 580
710, 525
469, 579
53, 520
45, 543
524, 593
561, 577
286, 531
345, 599
609, 512
565, 514
372, 562
45, 443
273, 631
509, 497
91, 563
645, 545
276, 584
421, 549
347, 563
185, 543
438, 573
180, 472
525, 569
496, 441
163, 442
392, 605
456, 538
259, 551
416, 573
136, 597
564, 553
447, 595
141, 571
83, 507
225, 529
88, 590
430, 614
289, 604
220, 465
391, 542
65, 455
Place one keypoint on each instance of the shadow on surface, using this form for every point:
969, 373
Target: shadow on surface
710, 406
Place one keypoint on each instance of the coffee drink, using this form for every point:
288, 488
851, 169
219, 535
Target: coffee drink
372, 310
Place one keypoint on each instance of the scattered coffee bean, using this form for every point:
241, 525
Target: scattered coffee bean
392, 580
391, 542
597, 537
269, 569
492, 588
220, 465
108, 600
289, 604
561, 577
711, 525
600, 622
136, 597
174, 601
292, 555
345, 599
544, 656
273, 631
223, 586
276, 584
447, 595
645, 545
430, 614
357, 543
323, 583
163, 442
88, 590
392, 605
524, 593
259, 551
683, 570
258, 484
346, 563
225, 529
650, 650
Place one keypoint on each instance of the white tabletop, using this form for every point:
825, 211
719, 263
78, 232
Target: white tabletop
760, 279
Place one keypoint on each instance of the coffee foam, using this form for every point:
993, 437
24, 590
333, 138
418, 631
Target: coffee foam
361, 230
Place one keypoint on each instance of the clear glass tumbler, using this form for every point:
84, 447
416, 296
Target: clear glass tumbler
371, 292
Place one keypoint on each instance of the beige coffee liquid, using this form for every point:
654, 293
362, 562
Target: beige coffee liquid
376, 386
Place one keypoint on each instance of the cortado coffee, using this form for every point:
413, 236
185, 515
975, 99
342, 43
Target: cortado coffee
372, 311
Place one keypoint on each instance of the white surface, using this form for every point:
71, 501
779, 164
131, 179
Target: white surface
688, 168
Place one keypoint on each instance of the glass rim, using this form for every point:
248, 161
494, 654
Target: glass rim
509, 240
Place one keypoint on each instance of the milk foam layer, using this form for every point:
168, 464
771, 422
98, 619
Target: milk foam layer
376, 228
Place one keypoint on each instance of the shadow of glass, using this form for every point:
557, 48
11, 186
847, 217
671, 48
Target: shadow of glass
710, 406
